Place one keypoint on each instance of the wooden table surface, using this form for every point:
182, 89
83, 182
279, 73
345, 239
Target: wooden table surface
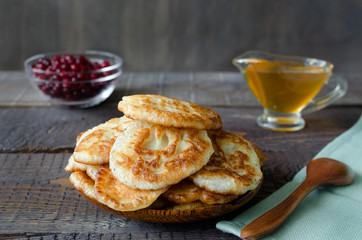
38, 202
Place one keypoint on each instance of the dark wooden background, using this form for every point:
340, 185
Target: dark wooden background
182, 35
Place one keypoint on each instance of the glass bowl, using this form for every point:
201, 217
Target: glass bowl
77, 79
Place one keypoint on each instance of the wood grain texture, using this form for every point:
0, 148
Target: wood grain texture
36, 196
207, 235
56, 129
206, 88
37, 200
187, 35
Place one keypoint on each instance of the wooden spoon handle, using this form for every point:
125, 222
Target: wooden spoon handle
271, 220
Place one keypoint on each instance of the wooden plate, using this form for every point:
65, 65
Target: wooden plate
179, 216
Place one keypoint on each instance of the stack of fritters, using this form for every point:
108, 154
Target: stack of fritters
163, 153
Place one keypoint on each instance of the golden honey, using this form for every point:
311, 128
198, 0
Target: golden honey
285, 87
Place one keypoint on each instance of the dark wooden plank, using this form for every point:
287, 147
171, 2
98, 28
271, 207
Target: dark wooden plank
207, 235
55, 129
38, 202
16, 90
36, 198
205, 88
43, 129
35, 189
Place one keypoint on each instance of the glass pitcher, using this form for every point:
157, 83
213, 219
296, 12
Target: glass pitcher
287, 86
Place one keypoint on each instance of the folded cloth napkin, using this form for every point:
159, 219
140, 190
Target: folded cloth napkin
333, 212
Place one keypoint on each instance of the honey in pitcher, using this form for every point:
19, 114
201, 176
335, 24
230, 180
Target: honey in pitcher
285, 87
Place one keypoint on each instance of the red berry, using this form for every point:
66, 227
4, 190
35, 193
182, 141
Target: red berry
63, 74
66, 83
56, 58
44, 61
65, 91
87, 92
69, 76
74, 67
94, 75
83, 68
57, 90
67, 58
105, 64
96, 65
64, 66
55, 77
40, 66
81, 60
80, 76
70, 59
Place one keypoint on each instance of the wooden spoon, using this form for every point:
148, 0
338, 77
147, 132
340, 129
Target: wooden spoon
320, 172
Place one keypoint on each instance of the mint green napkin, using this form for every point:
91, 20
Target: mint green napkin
327, 213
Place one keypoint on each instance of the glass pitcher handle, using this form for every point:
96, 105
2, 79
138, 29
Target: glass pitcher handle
323, 101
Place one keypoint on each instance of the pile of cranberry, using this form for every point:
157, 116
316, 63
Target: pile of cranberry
70, 77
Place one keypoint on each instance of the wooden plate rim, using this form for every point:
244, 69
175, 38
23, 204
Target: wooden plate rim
178, 216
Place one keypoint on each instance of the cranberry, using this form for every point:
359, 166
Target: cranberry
64, 66
56, 58
68, 76
70, 59
57, 88
40, 66
94, 75
51, 69
87, 92
71, 74
81, 60
56, 64
74, 67
66, 91
42, 76
97, 65
63, 74
82, 85
66, 83
67, 58
83, 68
80, 76
57, 92
76, 94
45, 61
55, 77
105, 64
